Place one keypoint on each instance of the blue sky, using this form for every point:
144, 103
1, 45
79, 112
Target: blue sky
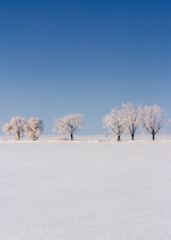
60, 57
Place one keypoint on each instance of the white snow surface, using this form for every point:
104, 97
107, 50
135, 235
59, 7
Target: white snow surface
85, 191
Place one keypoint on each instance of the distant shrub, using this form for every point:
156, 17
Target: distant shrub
62, 138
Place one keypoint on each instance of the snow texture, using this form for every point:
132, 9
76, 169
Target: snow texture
85, 191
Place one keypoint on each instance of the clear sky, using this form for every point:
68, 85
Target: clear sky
83, 56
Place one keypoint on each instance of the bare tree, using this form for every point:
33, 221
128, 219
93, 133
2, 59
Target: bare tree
33, 128
115, 121
69, 124
153, 119
15, 126
133, 117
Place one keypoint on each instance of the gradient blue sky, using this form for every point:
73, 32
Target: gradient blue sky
60, 57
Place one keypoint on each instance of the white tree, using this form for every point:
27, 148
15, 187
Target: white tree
15, 127
33, 128
153, 119
133, 118
69, 124
115, 121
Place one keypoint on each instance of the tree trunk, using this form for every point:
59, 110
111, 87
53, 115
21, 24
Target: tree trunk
72, 136
132, 135
153, 136
18, 136
119, 138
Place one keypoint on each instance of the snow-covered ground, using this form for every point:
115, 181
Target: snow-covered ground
85, 191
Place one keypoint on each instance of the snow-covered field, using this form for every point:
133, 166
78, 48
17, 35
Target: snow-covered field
85, 191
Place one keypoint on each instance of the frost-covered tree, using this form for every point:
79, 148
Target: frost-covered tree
153, 119
33, 128
15, 127
115, 121
69, 124
133, 118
